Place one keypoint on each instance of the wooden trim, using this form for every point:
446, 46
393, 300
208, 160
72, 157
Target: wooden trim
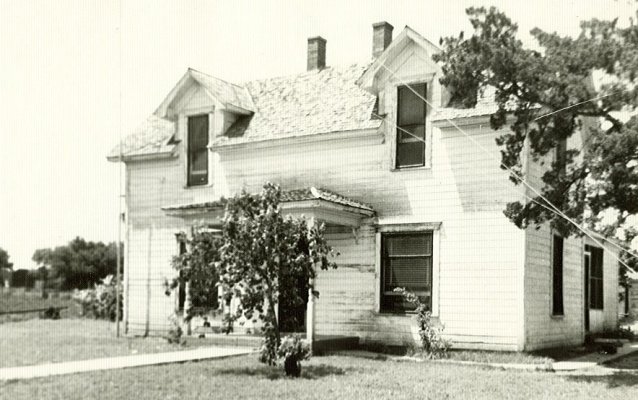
461, 121
144, 157
408, 227
373, 135
377, 273
436, 272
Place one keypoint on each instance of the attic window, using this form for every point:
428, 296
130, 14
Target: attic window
198, 150
411, 110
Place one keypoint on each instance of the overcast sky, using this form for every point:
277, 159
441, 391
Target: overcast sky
73, 73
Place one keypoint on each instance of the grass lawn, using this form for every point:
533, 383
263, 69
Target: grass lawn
38, 341
340, 377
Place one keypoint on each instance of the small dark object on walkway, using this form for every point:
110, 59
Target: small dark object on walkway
608, 349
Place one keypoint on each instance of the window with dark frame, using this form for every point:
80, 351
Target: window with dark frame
406, 263
557, 276
596, 294
197, 157
561, 156
411, 113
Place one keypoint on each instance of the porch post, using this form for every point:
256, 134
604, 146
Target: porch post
187, 306
310, 311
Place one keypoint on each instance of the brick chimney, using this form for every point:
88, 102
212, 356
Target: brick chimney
381, 37
316, 53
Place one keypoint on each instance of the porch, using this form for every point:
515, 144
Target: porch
318, 205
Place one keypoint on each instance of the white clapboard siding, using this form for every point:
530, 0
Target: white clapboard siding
542, 330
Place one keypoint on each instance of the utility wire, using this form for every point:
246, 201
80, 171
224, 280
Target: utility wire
557, 211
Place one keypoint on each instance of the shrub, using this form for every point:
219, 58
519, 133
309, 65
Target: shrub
293, 350
432, 343
176, 333
51, 313
100, 301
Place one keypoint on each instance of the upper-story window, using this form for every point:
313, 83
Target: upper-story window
197, 150
411, 111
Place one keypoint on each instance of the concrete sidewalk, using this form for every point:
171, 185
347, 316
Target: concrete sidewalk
593, 359
139, 360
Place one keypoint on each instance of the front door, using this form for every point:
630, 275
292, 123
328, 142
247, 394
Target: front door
586, 286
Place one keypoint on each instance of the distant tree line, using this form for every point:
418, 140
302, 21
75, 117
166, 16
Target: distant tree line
80, 264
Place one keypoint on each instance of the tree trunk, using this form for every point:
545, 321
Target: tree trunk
273, 318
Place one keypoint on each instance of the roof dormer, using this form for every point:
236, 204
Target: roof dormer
224, 96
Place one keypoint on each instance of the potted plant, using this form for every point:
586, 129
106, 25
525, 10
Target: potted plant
293, 350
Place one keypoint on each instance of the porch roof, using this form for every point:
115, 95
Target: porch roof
321, 204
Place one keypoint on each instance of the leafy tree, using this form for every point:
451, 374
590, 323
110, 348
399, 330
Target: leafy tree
4, 260
624, 281
263, 256
260, 259
79, 264
545, 97
199, 267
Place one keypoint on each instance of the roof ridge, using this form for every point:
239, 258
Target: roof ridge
215, 77
365, 64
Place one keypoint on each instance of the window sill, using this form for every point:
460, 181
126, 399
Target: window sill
558, 317
406, 169
195, 187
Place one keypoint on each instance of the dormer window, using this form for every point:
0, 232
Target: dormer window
411, 112
197, 153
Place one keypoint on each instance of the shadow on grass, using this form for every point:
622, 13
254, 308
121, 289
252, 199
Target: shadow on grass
618, 379
274, 373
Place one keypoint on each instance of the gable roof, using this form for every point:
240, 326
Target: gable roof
230, 95
332, 99
406, 36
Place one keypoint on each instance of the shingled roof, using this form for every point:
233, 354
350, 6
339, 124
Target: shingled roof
313, 102
287, 196
318, 101
152, 137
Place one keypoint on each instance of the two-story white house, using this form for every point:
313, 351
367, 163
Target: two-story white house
408, 197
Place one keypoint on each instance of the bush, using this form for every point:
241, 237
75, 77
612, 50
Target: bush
176, 333
51, 313
293, 350
432, 343
100, 301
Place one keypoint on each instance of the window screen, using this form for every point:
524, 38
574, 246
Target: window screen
557, 281
198, 150
411, 111
407, 263
596, 278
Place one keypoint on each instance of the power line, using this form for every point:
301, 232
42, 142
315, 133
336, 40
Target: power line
557, 211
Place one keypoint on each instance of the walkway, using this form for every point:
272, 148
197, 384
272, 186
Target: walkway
72, 367
593, 359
